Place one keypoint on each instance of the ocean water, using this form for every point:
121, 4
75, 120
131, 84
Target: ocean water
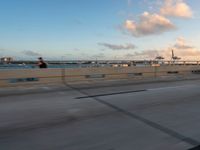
33, 66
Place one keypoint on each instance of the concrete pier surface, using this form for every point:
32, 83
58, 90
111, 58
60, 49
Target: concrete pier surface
122, 115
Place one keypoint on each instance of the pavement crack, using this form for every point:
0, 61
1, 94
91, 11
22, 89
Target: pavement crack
109, 94
150, 123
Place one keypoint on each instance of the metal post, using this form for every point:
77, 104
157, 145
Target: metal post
63, 75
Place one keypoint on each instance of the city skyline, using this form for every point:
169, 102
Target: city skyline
103, 30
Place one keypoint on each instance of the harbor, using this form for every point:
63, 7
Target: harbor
93, 63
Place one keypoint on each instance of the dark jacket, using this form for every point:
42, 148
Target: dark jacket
42, 64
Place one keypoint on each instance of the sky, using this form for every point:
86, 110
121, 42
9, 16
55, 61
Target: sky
99, 29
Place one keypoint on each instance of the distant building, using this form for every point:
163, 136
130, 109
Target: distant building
6, 59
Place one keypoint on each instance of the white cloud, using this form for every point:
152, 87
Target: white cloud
184, 54
148, 53
158, 23
118, 47
149, 24
176, 8
142, 55
182, 44
182, 48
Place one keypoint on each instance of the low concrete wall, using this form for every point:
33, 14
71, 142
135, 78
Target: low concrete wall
42, 76
29, 76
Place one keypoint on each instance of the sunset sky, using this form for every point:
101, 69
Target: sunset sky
99, 29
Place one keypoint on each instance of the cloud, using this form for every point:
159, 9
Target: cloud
184, 49
149, 24
187, 54
181, 49
30, 53
176, 8
148, 53
181, 44
157, 23
118, 47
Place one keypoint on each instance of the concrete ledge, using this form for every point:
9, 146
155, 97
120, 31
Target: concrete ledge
18, 77
49, 88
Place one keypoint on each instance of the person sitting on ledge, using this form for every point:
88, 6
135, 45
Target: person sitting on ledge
41, 63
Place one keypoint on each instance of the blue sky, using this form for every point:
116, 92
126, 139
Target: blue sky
94, 29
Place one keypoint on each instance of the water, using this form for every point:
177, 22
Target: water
34, 66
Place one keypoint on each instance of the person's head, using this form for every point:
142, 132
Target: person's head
40, 59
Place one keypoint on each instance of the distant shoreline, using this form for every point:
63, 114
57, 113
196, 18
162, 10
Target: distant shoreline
86, 64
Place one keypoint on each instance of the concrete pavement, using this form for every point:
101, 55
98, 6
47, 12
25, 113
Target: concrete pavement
115, 116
